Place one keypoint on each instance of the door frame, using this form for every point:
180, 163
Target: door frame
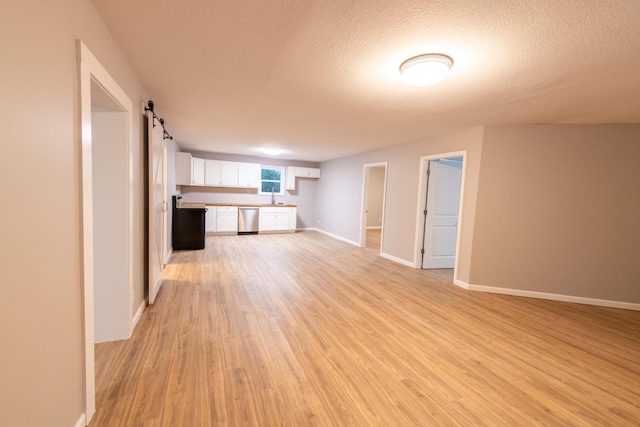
422, 189
365, 193
90, 70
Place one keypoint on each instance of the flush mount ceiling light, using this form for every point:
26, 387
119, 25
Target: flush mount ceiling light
425, 70
271, 151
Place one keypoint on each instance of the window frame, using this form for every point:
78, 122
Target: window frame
282, 180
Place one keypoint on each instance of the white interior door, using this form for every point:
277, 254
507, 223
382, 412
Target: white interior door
442, 206
157, 206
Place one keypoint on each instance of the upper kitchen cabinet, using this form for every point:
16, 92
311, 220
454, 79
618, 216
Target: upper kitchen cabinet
294, 172
218, 173
248, 175
189, 170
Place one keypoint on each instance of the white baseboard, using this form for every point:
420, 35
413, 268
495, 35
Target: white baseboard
550, 296
82, 421
138, 314
396, 259
463, 285
335, 236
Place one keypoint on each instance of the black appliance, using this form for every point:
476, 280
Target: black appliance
187, 229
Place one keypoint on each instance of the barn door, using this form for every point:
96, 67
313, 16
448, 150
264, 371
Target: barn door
157, 205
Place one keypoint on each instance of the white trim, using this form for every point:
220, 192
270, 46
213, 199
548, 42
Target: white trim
155, 287
396, 259
90, 69
555, 297
548, 296
82, 421
335, 236
460, 283
374, 227
421, 191
138, 314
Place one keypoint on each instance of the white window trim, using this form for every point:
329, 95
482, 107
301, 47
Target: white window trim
282, 180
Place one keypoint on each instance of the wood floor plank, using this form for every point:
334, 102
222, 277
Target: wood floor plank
304, 330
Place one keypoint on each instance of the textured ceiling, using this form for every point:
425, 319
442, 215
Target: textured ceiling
320, 79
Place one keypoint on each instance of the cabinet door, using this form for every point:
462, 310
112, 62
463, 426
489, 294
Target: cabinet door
226, 222
267, 221
293, 219
282, 220
227, 219
197, 171
248, 175
228, 174
291, 178
210, 220
307, 172
211, 172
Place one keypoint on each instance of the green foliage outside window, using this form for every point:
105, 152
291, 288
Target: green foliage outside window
271, 179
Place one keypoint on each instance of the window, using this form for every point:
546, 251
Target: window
272, 178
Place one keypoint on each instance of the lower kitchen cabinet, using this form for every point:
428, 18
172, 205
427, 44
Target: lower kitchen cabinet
277, 219
222, 220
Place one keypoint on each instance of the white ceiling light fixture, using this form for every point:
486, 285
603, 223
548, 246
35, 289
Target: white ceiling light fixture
425, 70
271, 151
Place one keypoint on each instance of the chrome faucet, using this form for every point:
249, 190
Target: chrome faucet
273, 196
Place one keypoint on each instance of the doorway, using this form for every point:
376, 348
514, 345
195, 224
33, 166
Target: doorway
374, 187
439, 211
107, 211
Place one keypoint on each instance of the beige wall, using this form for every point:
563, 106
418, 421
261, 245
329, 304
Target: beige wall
558, 211
41, 324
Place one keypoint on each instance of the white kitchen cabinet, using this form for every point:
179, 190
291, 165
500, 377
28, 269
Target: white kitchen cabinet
210, 220
189, 170
227, 219
197, 168
277, 219
294, 172
293, 219
222, 220
248, 175
218, 173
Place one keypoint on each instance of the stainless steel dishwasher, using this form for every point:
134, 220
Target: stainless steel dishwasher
248, 220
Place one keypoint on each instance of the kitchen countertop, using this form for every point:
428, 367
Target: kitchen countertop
240, 205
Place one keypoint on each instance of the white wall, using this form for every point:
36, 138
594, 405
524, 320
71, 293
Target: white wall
41, 375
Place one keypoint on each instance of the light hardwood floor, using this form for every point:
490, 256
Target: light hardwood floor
302, 330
